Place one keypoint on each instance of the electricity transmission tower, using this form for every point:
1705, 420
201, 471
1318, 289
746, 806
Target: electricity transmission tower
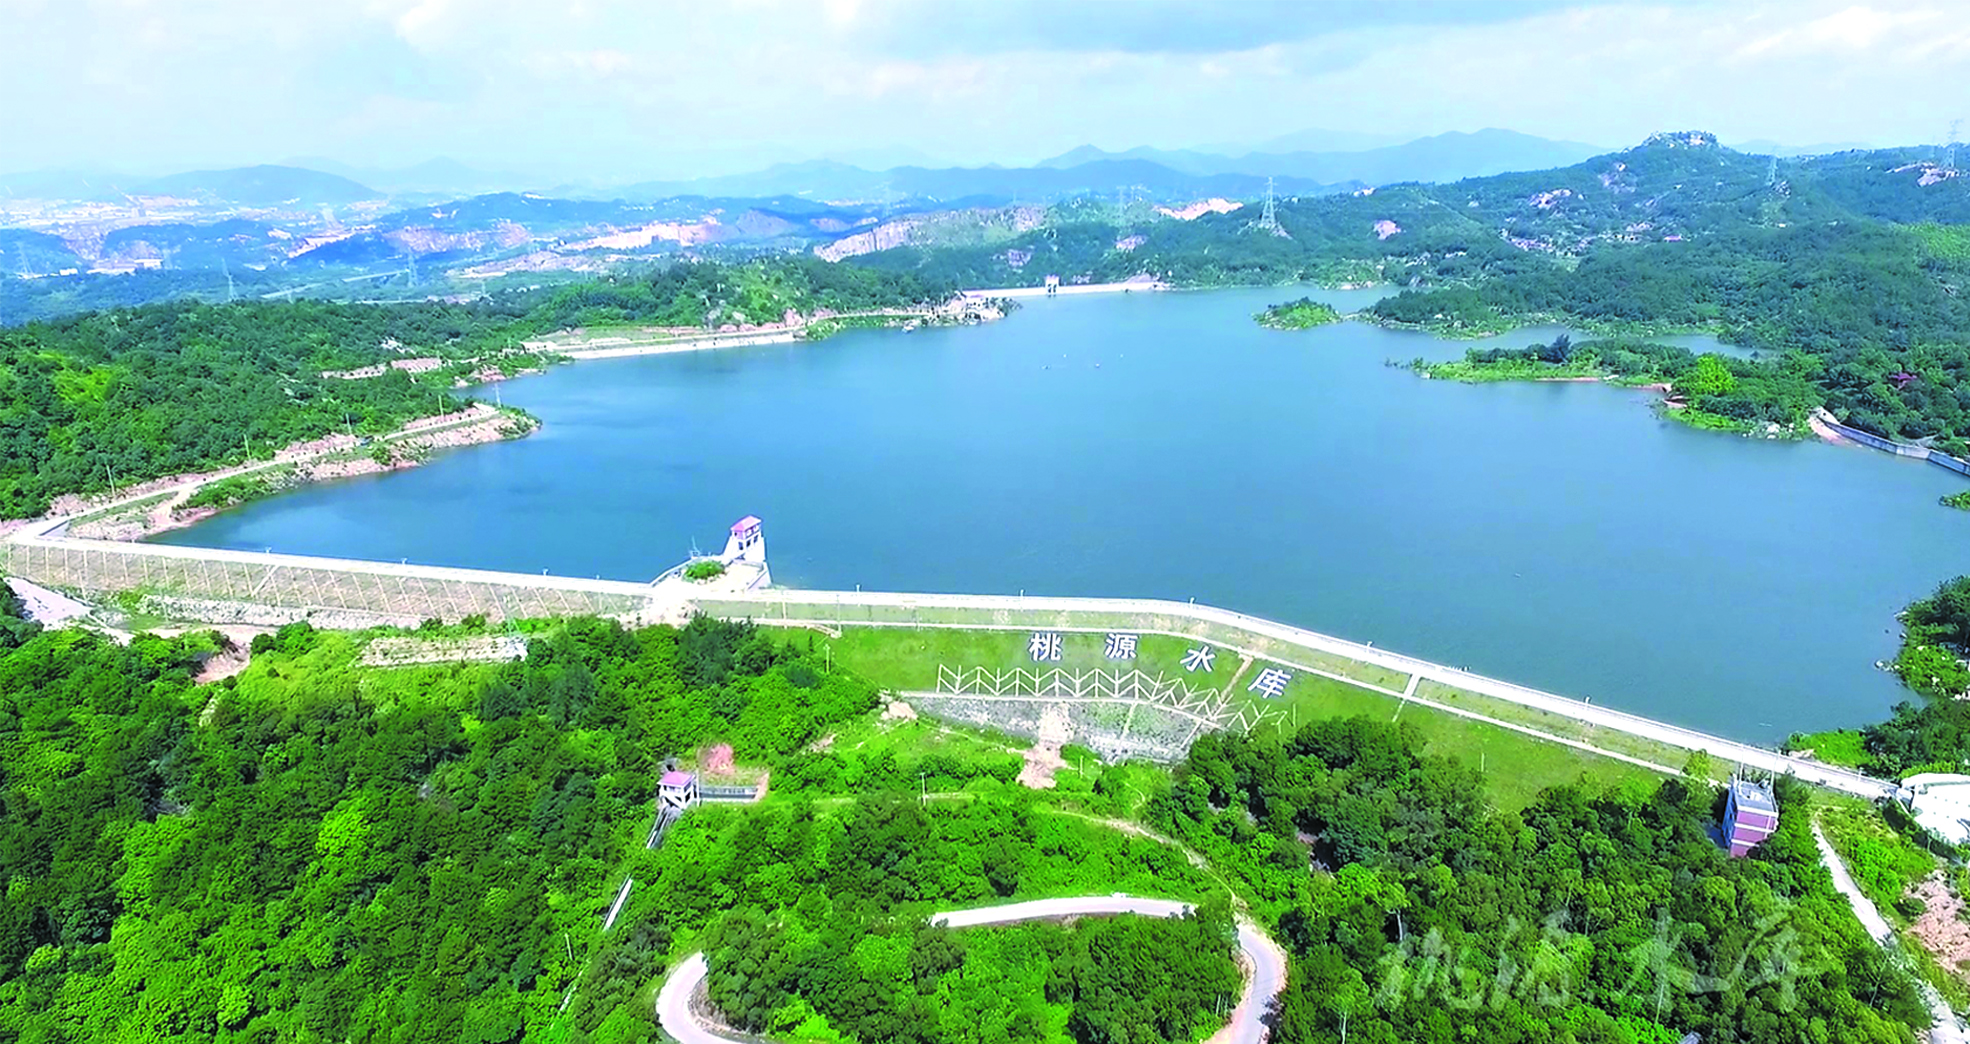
225, 266
1949, 148
1268, 216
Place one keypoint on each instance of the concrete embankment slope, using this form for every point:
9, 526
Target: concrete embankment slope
1140, 284
207, 583
1265, 964
1249, 635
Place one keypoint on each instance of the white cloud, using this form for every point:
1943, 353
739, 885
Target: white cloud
648, 80
599, 63
1852, 29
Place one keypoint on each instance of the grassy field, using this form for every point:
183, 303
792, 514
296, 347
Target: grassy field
1835, 747
1023, 622
1519, 766
1652, 751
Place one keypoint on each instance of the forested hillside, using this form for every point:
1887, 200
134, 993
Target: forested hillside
315, 851
1589, 917
1868, 312
318, 850
1854, 262
114, 398
117, 397
817, 938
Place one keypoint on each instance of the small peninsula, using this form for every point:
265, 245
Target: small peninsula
1303, 314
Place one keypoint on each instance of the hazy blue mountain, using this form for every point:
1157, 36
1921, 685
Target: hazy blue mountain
1320, 140
439, 176
261, 186
1441, 157
187, 245
817, 179
23, 252
836, 181
1763, 147
885, 158
1102, 177
1182, 160
61, 184
1313, 139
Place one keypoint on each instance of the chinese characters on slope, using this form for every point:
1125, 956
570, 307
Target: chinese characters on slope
1271, 681
1045, 647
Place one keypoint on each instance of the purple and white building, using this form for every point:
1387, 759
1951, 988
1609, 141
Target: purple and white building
1750, 816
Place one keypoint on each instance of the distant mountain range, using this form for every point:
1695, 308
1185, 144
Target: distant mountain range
291, 228
1439, 158
1160, 173
440, 176
266, 185
825, 180
1305, 163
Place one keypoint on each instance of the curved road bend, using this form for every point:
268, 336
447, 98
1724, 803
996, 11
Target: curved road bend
1264, 958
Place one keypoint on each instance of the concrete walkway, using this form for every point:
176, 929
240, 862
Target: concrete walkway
1264, 961
1947, 1030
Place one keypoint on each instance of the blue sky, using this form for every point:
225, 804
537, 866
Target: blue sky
615, 89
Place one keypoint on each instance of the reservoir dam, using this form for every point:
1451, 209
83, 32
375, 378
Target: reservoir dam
231, 586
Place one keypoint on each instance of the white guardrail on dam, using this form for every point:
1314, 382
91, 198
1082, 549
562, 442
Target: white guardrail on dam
1190, 620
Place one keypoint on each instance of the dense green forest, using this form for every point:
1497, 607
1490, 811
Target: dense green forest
812, 945
317, 850
711, 294
1586, 917
313, 850
1711, 390
1302, 314
1861, 318
113, 398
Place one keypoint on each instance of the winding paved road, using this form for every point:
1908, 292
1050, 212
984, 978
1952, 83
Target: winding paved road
1265, 964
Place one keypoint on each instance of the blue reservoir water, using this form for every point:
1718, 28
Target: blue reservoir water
1163, 445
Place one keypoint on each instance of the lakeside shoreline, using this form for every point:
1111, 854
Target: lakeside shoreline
156, 506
